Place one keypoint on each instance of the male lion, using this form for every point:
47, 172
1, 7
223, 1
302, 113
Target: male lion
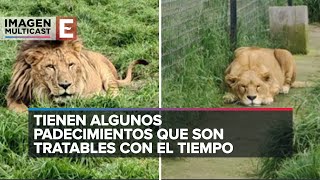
256, 75
59, 70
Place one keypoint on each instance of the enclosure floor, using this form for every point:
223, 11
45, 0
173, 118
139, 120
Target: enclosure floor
308, 68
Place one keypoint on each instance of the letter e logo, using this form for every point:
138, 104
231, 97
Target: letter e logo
66, 28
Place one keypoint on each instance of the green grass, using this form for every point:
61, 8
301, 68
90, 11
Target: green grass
305, 161
196, 76
302, 166
192, 87
123, 31
15, 163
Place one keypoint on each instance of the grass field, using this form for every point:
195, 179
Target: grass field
123, 31
304, 164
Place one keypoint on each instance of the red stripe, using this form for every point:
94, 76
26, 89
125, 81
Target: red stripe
226, 109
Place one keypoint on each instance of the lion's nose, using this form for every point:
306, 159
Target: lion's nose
64, 85
251, 97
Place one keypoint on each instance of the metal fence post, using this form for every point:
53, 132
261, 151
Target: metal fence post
289, 2
233, 24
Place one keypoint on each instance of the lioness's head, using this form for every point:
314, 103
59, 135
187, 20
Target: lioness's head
56, 70
251, 87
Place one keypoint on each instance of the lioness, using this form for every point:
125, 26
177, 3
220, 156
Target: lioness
256, 75
59, 70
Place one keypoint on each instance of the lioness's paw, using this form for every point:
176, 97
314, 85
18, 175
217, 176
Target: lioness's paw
268, 101
229, 98
285, 89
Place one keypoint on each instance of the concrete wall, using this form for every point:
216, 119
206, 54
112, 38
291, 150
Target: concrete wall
288, 26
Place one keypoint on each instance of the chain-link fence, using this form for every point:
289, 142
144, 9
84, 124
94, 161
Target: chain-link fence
183, 22
186, 22
197, 47
253, 21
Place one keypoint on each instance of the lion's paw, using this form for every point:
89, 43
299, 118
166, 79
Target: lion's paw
285, 89
268, 101
229, 98
18, 107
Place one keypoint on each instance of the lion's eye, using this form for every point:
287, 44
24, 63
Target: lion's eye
258, 87
71, 64
243, 88
51, 66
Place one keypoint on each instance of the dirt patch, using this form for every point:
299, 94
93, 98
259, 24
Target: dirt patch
208, 168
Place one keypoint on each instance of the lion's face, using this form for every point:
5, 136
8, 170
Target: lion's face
58, 75
251, 88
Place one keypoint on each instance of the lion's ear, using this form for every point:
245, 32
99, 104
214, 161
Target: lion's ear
231, 80
75, 45
32, 56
